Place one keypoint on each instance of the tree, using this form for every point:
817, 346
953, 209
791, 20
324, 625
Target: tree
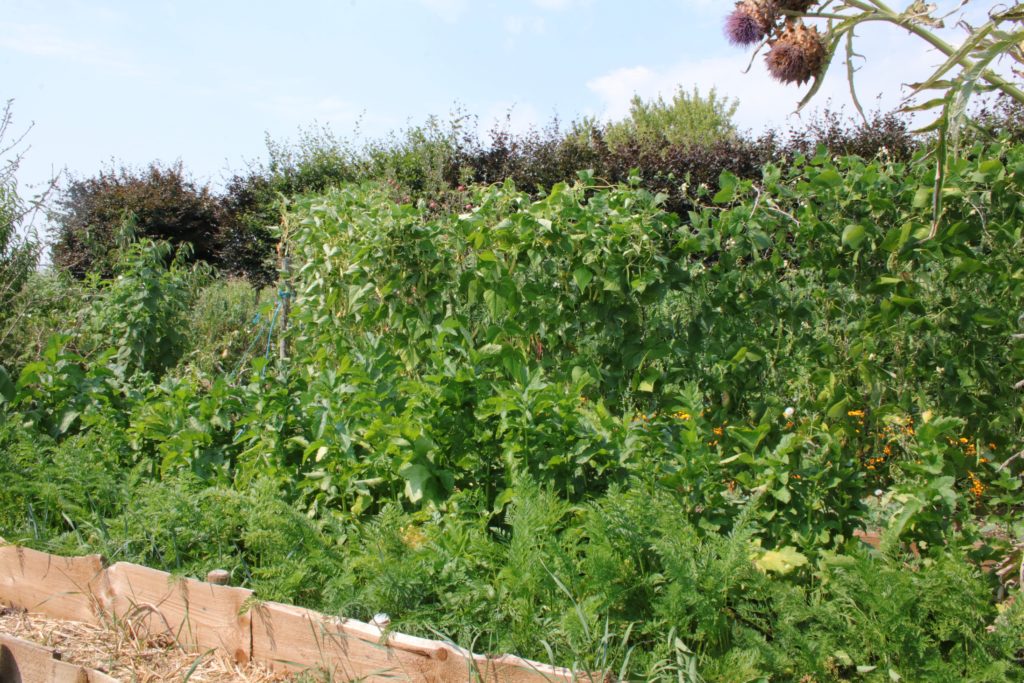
690, 118
164, 203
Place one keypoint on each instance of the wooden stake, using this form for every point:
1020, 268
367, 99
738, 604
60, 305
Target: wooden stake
219, 577
286, 306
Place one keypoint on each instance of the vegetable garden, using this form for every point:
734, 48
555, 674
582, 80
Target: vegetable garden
575, 427
716, 409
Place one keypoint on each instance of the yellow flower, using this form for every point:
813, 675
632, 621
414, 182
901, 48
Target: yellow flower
413, 536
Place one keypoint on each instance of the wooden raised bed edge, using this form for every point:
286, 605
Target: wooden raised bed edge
24, 662
202, 616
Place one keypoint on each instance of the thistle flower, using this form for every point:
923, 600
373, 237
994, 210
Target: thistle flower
797, 55
751, 21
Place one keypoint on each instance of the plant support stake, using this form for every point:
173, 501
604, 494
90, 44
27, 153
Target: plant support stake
286, 306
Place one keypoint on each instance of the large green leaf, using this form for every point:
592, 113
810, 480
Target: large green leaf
582, 276
854, 235
418, 480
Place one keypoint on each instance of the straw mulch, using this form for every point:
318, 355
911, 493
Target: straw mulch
113, 651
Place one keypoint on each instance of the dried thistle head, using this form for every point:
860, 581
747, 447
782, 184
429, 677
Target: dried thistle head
797, 55
751, 21
796, 5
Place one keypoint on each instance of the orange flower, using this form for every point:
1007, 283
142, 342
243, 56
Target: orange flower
977, 488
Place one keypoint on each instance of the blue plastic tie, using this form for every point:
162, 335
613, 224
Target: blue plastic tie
270, 338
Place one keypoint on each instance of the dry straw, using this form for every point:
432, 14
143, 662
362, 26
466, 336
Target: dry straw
113, 650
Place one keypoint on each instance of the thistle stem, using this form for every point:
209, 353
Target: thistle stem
878, 11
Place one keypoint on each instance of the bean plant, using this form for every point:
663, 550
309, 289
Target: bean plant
578, 427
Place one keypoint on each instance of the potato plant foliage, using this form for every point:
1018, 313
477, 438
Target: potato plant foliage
578, 427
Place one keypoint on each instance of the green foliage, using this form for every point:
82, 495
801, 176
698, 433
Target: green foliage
19, 250
689, 119
622, 583
604, 298
48, 302
18, 255
219, 325
574, 426
421, 160
130, 334
685, 142
141, 313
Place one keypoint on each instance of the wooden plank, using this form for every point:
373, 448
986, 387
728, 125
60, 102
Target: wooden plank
22, 661
60, 587
873, 538
201, 616
452, 663
198, 615
288, 638
870, 537
512, 669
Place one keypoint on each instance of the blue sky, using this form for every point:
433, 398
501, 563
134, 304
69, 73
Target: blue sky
205, 82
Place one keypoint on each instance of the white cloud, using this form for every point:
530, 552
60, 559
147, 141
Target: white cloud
893, 59
449, 10
43, 40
